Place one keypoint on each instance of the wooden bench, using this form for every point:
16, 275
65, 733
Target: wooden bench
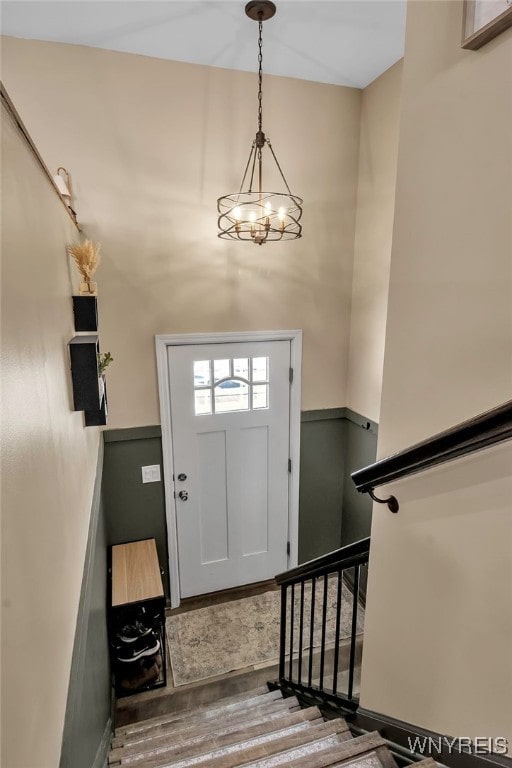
137, 595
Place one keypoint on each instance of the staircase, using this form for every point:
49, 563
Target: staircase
256, 729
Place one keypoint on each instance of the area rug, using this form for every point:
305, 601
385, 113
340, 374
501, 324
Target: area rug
242, 633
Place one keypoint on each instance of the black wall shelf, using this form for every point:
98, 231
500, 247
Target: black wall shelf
83, 351
89, 389
85, 311
98, 418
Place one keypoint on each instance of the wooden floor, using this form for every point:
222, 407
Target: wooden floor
170, 699
153, 703
224, 596
164, 700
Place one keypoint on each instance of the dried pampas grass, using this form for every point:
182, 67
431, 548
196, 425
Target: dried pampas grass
86, 256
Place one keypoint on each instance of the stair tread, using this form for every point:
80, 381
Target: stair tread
378, 758
428, 762
241, 701
294, 755
342, 753
175, 730
173, 733
217, 747
246, 752
217, 736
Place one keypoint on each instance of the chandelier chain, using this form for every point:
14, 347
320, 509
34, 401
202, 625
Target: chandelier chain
260, 75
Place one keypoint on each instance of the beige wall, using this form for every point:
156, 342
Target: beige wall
48, 463
151, 144
439, 612
380, 117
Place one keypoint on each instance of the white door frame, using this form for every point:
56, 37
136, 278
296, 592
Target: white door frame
170, 340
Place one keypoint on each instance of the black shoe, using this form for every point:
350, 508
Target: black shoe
139, 679
132, 632
144, 646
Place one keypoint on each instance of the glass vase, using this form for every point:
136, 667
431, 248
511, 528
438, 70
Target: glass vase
88, 288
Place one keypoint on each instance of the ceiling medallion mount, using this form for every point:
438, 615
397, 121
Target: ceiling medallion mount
260, 10
256, 215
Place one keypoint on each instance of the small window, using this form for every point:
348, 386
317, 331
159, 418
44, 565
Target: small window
231, 395
260, 368
241, 367
203, 401
259, 396
221, 369
202, 373
237, 384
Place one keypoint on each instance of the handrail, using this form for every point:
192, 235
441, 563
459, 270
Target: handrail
345, 557
482, 431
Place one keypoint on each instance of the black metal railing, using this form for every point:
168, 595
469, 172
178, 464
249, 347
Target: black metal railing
321, 625
482, 431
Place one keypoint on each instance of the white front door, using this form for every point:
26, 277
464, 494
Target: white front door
230, 416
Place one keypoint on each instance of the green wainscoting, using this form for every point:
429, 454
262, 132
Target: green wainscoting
88, 719
360, 450
334, 442
322, 446
135, 510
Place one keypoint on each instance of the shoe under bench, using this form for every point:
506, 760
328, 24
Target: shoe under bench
137, 618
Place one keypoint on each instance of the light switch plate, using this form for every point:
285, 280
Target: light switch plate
151, 474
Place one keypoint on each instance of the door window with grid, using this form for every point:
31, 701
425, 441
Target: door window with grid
231, 384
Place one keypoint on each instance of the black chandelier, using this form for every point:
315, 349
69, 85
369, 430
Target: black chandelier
253, 214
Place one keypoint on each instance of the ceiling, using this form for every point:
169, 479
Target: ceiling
343, 42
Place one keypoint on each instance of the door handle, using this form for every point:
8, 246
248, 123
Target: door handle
183, 495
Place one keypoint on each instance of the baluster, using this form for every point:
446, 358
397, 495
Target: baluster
311, 630
292, 616
282, 640
324, 624
301, 630
353, 634
337, 633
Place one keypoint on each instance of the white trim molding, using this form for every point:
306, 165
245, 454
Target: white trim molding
163, 341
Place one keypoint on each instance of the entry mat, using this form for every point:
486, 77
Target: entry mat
218, 639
